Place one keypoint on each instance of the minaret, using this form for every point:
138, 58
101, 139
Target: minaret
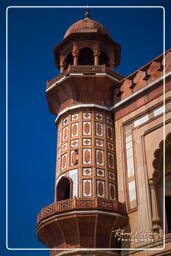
86, 207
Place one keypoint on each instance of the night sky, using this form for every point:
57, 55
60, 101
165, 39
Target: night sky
32, 35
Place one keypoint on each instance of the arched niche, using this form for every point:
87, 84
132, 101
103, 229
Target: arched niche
103, 59
157, 179
68, 61
64, 189
86, 56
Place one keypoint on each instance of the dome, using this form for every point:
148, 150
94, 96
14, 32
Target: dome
86, 25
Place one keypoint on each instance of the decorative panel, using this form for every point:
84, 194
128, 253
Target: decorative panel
74, 117
100, 172
109, 119
65, 133
74, 157
99, 143
64, 146
100, 188
111, 176
87, 115
86, 156
110, 160
87, 142
87, 189
86, 128
74, 130
64, 161
99, 129
112, 191
65, 121
87, 171
99, 157
74, 143
110, 146
99, 116
109, 133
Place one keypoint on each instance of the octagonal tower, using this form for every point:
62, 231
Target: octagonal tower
86, 207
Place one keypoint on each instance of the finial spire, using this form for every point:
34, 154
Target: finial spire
87, 13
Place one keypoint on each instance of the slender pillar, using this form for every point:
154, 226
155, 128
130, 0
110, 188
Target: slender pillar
75, 53
96, 56
61, 64
155, 213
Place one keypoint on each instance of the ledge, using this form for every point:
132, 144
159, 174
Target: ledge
85, 70
80, 204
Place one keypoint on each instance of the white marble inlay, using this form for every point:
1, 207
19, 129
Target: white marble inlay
128, 138
74, 143
74, 117
129, 153
87, 115
141, 120
86, 171
128, 145
99, 116
132, 192
158, 111
86, 142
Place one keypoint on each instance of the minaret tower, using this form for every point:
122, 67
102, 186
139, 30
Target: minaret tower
86, 207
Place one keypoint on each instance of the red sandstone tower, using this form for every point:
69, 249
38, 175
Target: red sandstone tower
86, 207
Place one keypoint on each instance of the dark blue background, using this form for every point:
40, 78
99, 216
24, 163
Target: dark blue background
33, 33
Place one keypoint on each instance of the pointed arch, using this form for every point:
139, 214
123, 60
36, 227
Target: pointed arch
64, 189
157, 180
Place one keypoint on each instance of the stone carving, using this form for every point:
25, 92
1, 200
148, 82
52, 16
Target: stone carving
65, 133
74, 130
99, 157
86, 187
100, 188
99, 129
86, 128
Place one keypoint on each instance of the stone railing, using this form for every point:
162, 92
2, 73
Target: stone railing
145, 75
81, 204
86, 69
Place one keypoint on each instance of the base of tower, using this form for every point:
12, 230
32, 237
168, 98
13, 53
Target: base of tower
84, 253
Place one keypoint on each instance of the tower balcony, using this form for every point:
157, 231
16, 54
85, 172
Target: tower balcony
81, 204
82, 84
85, 70
81, 223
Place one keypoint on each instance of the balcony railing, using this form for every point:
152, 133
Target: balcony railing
85, 69
81, 204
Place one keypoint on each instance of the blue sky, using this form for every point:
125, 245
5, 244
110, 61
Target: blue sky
32, 35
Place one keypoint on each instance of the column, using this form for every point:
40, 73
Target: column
75, 55
154, 206
61, 64
96, 56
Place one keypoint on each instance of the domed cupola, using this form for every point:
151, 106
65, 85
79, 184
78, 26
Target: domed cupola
87, 42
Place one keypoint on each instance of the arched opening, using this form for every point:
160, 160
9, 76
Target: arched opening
64, 189
86, 56
103, 59
68, 61
158, 177
168, 187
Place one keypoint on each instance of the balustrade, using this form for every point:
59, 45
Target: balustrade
74, 203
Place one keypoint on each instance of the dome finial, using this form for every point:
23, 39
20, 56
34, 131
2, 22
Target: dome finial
87, 13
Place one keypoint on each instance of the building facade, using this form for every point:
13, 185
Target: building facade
110, 166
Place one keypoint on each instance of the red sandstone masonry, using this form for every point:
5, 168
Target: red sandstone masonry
145, 75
